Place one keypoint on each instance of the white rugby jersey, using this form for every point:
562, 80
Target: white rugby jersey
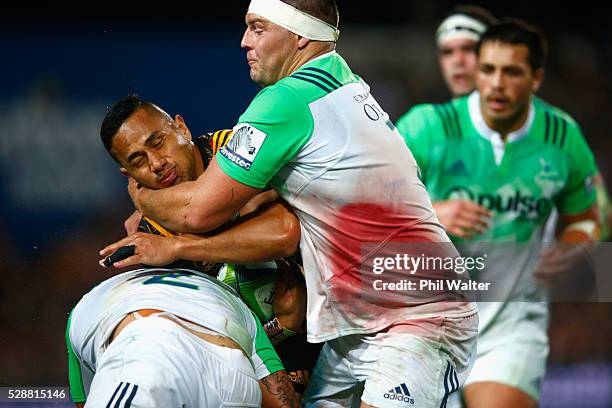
187, 294
323, 143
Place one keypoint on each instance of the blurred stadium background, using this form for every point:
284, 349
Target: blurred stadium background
63, 198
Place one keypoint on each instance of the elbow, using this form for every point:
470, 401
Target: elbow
194, 222
199, 222
289, 237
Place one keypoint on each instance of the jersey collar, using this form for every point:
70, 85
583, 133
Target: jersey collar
494, 137
320, 57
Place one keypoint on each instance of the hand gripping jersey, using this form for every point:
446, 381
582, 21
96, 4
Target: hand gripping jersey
545, 164
323, 143
187, 294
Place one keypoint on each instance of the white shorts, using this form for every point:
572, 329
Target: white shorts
154, 362
415, 364
513, 349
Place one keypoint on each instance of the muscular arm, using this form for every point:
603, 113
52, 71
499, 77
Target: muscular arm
269, 232
277, 391
198, 206
272, 232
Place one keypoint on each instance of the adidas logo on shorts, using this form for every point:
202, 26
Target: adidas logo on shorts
399, 393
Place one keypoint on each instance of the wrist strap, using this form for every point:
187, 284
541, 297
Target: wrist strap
276, 332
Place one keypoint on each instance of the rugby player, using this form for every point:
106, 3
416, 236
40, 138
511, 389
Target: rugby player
517, 156
171, 338
149, 145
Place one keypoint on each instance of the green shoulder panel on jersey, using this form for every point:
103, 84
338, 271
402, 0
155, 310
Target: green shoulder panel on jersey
429, 125
557, 123
271, 132
320, 77
75, 378
421, 128
449, 116
563, 132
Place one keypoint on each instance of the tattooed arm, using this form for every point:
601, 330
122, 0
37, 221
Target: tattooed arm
277, 391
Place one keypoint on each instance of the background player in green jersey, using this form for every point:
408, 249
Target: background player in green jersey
512, 153
456, 40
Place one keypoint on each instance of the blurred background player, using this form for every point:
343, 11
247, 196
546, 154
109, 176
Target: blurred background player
516, 157
456, 39
171, 338
149, 145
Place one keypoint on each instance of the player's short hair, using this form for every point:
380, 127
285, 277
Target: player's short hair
518, 32
476, 12
117, 115
326, 10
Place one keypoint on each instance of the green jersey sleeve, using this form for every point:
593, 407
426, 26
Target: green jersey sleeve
270, 133
417, 127
265, 359
75, 379
578, 193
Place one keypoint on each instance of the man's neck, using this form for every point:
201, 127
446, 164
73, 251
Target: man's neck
198, 162
509, 125
307, 55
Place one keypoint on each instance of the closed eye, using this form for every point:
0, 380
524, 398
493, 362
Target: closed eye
158, 142
137, 162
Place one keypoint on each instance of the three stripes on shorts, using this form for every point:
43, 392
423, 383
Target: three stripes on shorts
451, 383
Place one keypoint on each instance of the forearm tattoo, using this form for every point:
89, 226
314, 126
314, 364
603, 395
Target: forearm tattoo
279, 385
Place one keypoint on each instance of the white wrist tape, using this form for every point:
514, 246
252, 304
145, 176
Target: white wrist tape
589, 227
294, 20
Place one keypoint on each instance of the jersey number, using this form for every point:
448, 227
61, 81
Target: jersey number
170, 279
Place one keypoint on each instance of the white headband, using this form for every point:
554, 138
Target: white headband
460, 26
294, 20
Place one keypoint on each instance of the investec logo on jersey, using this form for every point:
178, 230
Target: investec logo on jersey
244, 145
528, 206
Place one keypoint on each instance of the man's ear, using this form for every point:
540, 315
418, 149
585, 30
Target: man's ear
302, 42
123, 171
180, 122
538, 78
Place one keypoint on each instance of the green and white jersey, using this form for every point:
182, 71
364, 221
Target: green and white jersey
544, 165
187, 294
321, 140
255, 283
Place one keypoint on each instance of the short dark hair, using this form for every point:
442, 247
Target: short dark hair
326, 10
118, 114
476, 12
518, 32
